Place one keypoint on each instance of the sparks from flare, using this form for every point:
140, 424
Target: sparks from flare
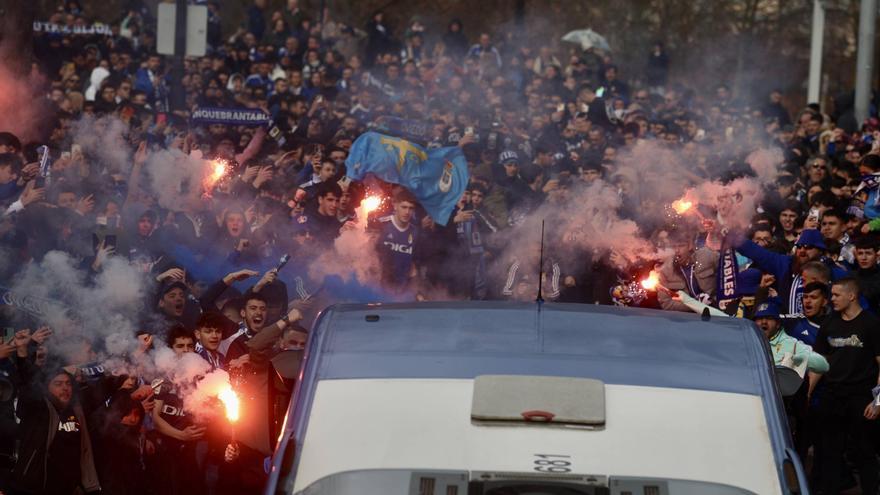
218, 171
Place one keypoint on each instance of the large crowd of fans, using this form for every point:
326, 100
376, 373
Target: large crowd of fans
123, 198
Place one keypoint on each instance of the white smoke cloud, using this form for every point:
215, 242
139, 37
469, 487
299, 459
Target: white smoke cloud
766, 163
176, 177
102, 310
104, 140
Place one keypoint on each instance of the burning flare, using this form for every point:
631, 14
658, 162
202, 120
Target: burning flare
231, 402
367, 206
371, 203
681, 206
652, 282
218, 171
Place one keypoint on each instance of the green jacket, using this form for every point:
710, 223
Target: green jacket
783, 343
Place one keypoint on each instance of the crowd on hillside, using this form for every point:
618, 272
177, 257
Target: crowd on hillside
228, 225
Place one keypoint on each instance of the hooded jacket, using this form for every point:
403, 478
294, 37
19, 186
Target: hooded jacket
39, 423
95, 79
456, 42
121, 462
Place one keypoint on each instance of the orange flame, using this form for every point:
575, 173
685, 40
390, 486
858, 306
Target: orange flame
681, 206
371, 203
651, 282
231, 402
218, 170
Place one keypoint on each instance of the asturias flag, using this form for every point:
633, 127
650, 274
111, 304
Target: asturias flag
437, 177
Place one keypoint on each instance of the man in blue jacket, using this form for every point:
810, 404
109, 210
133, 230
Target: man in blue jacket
805, 326
150, 80
787, 268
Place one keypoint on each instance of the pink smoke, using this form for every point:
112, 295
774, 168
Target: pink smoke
20, 110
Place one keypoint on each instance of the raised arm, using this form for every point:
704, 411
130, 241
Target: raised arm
768, 261
253, 146
209, 297
263, 341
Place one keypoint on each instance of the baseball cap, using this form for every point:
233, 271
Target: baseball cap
169, 286
811, 238
508, 156
767, 309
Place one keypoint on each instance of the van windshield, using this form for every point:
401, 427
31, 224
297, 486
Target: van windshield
406, 482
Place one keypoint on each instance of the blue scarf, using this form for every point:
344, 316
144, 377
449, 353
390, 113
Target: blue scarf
231, 116
728, 267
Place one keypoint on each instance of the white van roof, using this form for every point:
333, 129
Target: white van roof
417, 424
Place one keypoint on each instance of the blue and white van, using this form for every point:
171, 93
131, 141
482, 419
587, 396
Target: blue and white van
495, 398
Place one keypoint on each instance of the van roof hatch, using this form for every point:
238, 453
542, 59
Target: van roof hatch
531, 400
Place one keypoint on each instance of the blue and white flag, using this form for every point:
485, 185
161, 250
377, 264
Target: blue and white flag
436, 177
